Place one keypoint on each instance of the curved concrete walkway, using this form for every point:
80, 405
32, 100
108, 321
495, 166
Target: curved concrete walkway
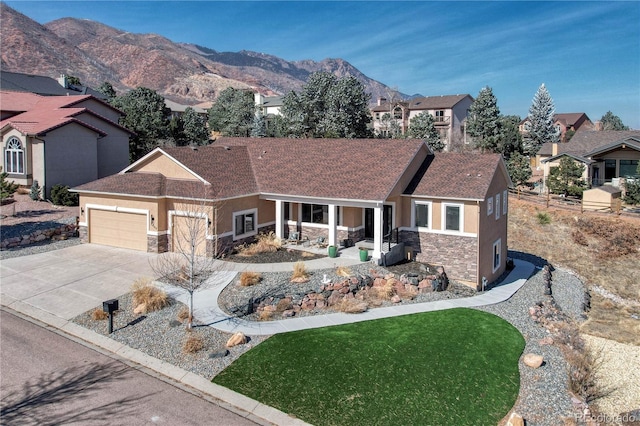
207, 311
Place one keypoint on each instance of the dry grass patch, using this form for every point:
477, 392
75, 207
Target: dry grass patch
248, 278
193, 343
300, 274
602, 250
145, 293
343, 271
99, 315
183, 314
265, 243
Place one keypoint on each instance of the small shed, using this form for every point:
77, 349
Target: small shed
603, 198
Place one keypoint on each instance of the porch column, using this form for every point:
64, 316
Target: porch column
333, 225
377, 233
279, 219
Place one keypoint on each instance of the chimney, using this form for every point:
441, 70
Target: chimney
554, 148
62, 80
381, 101
598, 125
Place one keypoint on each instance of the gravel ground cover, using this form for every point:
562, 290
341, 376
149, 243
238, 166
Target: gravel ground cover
543, 399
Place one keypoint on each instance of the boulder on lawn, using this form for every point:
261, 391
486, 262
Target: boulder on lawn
533, 360
515, 419
237, 339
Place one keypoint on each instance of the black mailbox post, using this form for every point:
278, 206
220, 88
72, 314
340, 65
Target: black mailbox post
110, 306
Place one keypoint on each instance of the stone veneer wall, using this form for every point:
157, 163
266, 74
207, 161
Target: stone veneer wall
61, 232
157, 243
312, 233
458, 254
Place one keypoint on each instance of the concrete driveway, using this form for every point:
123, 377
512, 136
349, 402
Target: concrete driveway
70, 281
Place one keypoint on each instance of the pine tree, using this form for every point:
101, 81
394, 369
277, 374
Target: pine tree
519, 169
566, 178
6, 188
422, 126
195, 127
541, 128
610, 121
259, 126
484, 121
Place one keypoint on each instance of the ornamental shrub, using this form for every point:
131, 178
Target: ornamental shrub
35, 192
60, 196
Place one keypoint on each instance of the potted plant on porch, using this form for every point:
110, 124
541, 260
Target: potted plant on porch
364, 254
333, 251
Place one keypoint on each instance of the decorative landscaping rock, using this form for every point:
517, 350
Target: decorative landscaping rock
533, 360
140, 309
396, 299
219, 354
515, 419
237, 339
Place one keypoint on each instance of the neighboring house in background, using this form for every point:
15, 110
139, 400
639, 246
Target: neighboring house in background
446, 209
566, 123
450, 113
610, 156
66, 140
178, 109
43, 85
268, 106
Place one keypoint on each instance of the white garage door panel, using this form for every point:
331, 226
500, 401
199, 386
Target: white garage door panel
118, 229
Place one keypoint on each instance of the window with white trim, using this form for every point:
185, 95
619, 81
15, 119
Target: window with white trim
422, 214
245, 223
497, 206
505, 203
497, 254
452, 217
14, 156
490, 206
315, 213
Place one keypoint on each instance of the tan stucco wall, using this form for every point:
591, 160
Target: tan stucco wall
597, 199
160, 163
352, 217
491, 230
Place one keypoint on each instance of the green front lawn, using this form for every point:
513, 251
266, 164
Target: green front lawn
452, 367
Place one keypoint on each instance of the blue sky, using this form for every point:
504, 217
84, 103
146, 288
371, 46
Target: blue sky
586, 53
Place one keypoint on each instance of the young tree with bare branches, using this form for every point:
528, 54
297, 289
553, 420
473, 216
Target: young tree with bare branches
191, 262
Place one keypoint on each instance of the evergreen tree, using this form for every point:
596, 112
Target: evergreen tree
632, 189
194, 127
147, 116
612, 122
509, 138
541, 128
7, 189
423, 126
232, 113
36, 191
259, 126
107, 89
566, 178
483, 123
328, 107
518, 168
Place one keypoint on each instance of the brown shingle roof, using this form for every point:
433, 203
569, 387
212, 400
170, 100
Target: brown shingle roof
353, 169
456, 175
585, 141
427, 102
143, 184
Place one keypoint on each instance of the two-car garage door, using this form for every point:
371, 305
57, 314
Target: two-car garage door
118, 229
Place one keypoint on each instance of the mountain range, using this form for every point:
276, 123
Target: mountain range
185, 73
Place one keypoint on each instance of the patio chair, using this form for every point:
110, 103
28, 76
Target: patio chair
294, 238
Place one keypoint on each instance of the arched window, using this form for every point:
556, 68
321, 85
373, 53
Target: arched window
397, 113
14, 156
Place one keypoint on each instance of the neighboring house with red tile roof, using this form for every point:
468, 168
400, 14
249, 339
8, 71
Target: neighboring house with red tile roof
609, 156
66, 140
449, 112
566, 123
446, 209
